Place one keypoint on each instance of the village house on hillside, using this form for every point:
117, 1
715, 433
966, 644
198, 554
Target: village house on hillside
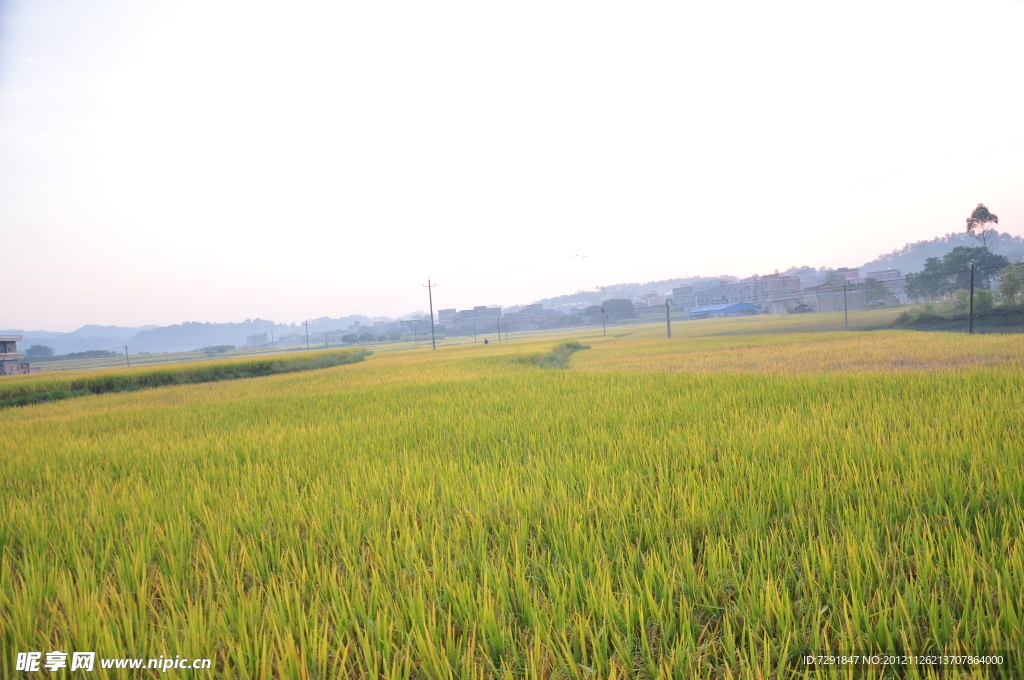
11, 359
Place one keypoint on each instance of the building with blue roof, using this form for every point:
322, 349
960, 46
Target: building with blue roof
725, 309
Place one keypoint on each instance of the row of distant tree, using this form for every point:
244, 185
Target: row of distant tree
952, 272
44, 352
946, 275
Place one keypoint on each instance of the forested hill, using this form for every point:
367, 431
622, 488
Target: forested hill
911, 257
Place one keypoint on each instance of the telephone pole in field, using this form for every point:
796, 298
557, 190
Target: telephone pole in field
846, 306
668, 319
604, 329
970, 313
306, 324
126, 360
430, 296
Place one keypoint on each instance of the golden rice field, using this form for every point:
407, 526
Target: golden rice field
706, 506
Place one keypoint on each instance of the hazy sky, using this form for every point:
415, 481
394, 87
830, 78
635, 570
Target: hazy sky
173, 161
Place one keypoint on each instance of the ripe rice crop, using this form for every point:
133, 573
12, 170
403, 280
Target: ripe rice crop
855, 352
708, 512
33, 390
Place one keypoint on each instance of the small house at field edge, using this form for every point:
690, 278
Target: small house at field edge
11, 359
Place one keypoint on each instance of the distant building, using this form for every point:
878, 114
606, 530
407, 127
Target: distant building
534, 317
481, 314
11, 359
726, 309
257, 340
650, 300
774, 293
893, 280
850, 275
291, 339
683, 298
382, 327
415, 326
829, 298
478, 313
779, 293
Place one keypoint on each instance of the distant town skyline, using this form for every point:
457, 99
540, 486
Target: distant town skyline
891, 267
162, 162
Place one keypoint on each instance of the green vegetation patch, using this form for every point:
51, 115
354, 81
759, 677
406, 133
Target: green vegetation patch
88, 354
952, 316
217, 349
559, 356
23, 393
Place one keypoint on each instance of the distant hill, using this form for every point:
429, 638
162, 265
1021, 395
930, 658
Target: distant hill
196, 334
118, 332
34, 334
83, 339
911, 257
175, 338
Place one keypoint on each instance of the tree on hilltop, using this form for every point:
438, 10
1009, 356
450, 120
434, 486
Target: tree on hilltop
979, 224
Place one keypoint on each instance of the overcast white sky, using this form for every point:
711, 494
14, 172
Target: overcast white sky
174, 161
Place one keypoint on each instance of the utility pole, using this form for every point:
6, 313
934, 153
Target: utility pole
604, 329
126, 356
306, 324
668, 319
970, 313
430, 296
474, 331
846, 305
497, 322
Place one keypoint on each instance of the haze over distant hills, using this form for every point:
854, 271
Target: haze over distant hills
911, 257
193, 335
177, 338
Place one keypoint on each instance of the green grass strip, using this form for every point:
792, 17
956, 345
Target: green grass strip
24, 393
559, 356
